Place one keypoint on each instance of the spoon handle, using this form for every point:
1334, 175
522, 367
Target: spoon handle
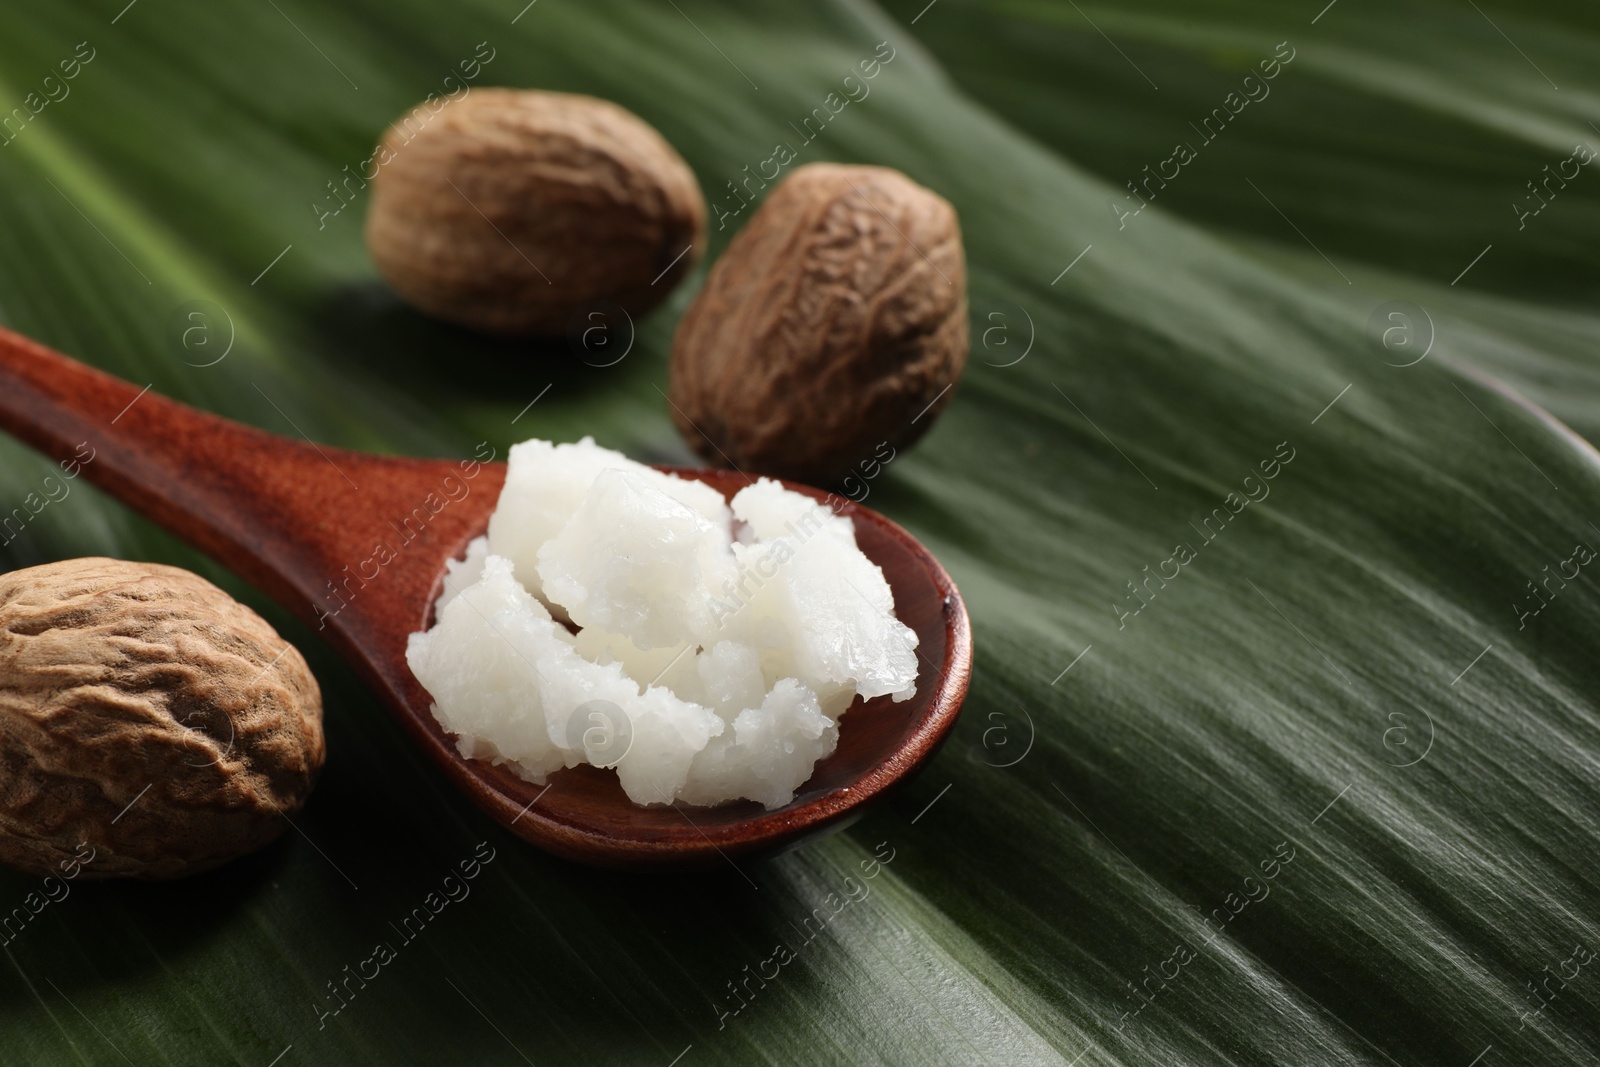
281, 513
187, 471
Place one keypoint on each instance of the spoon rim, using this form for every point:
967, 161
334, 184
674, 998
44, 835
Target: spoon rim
765, 832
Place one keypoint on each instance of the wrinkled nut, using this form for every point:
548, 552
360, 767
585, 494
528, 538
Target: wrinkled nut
835, 320
147, 719
509, 210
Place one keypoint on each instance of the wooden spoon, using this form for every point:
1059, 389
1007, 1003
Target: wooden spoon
301, 522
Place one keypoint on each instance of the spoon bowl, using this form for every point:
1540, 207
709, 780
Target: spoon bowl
355, 545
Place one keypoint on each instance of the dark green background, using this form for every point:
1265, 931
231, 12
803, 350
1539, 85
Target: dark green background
1171, 760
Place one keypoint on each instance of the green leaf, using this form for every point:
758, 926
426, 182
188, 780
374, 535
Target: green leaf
1346, 725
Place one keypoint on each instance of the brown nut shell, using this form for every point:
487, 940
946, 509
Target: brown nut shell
508, 210
147, 719
835, 320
